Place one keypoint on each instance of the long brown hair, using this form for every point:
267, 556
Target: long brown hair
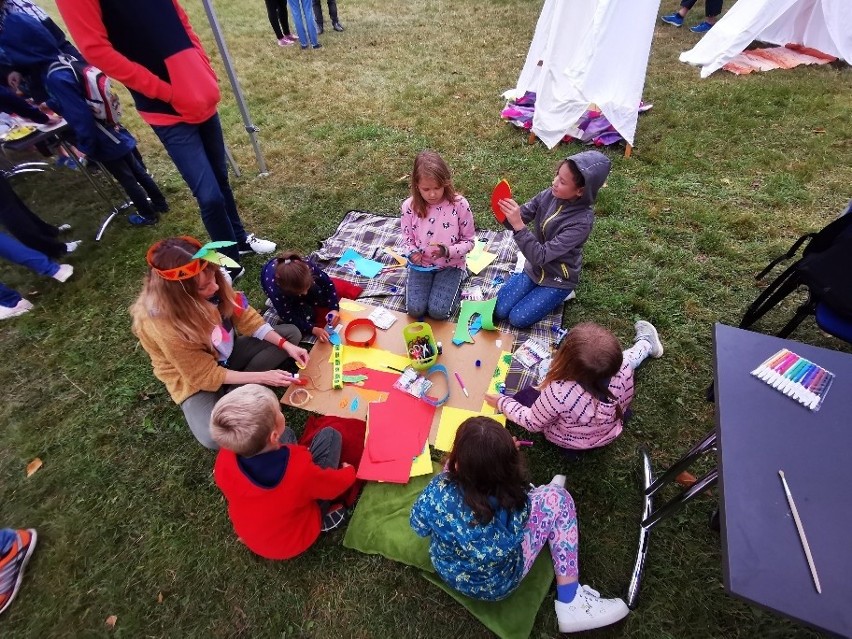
589, 355
485, 463
428, 165
292, 273
178, 301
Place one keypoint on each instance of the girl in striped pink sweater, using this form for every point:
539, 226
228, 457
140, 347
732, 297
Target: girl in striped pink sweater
587, 390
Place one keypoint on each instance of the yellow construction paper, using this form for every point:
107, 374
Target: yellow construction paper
374, 358
451, 419
401, 260
479, 258
422, 463
349, 305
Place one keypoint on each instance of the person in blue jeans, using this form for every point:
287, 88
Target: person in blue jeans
11, 302
306, 26
712, 9
150, 47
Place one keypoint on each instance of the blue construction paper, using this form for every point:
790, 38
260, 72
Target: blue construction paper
364, 266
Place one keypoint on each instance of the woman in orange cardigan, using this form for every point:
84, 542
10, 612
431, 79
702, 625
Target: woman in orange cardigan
201, 335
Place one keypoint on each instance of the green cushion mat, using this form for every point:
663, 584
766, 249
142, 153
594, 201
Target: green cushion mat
380, 526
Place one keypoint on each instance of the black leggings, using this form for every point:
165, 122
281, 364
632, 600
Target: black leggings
276, 10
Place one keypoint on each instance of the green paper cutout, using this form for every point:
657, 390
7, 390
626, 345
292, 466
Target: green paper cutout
469, 308
208, 253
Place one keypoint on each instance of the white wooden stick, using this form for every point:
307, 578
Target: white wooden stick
801, 530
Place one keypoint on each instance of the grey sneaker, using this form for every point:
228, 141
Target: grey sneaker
645, 330
65, 271
558, 480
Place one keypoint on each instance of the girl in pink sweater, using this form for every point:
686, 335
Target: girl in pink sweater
437, 231
587, 390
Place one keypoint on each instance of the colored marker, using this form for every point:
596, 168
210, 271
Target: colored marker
398, 370
525, 442
461, 383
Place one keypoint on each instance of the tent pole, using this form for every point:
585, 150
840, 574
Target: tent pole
251, 129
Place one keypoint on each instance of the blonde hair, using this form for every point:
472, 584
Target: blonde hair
429, 165
178, 301
243, 419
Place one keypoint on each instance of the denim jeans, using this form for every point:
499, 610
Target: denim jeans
138, 185
433, 292
523, 302
12, 250
198, 151
303, 15
9, 297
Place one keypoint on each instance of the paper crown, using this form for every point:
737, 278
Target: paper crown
206, 253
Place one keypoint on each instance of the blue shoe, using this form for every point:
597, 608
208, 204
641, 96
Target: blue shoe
140, 220
701, 27
674, 19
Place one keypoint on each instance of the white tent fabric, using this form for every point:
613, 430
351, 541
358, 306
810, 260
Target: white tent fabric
825, 25
588, 52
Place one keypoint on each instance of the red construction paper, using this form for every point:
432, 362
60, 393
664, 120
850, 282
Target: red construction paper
501, 192
376, 380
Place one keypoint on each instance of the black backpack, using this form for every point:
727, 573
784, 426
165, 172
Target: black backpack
825, 269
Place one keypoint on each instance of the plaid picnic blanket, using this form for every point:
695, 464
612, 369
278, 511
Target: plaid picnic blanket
368, 233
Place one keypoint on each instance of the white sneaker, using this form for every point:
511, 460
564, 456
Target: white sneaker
70, 247
65, 271
645, 330
254, 244
588, 611
62, 228
571, 296
558, 480
23, 306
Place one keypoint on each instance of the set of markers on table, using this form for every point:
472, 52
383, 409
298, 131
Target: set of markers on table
796, 377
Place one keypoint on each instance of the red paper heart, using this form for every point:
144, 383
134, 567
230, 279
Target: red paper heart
501, 192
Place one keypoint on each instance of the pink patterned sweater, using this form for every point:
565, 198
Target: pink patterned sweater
445, 223
569, 416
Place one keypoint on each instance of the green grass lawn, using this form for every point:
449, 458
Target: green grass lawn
726, 173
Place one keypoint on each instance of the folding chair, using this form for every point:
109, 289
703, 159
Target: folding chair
824, 271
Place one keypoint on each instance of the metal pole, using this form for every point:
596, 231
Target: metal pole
251, 129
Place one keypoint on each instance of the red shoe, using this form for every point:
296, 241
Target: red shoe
12, 565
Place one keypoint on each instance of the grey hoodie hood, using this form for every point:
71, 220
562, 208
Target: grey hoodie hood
594, 166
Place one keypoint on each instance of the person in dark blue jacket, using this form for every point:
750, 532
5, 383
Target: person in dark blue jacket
32, 48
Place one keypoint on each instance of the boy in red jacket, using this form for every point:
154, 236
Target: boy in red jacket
277, 491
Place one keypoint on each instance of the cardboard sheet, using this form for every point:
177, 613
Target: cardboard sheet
462, 359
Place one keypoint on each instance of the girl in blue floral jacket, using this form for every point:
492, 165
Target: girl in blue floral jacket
487, 526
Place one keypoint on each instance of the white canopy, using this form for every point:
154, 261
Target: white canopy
588, 52
825, 25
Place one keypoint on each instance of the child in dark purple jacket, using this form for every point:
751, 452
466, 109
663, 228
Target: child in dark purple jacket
301, 293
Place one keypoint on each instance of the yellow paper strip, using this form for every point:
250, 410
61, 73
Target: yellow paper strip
500, 372
451, 419
479, 258
374, 358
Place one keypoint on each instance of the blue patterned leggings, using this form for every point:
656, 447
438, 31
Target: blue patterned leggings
523, 302
553, 520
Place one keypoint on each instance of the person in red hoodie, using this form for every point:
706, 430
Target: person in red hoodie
150, 47
278, 492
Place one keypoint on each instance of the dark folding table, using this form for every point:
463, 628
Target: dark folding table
760, 431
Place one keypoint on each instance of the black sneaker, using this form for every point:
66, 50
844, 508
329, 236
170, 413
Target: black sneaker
334, 518
337, 26
320, 28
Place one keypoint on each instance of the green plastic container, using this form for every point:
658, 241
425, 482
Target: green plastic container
420, 345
